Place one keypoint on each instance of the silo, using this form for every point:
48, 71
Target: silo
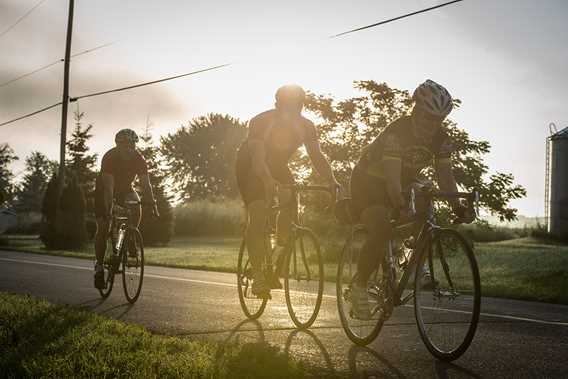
557, 183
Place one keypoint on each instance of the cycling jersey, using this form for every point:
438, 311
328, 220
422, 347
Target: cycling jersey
281, 140
398, 141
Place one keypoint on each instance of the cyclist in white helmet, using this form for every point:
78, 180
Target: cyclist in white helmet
392, 163
119, 168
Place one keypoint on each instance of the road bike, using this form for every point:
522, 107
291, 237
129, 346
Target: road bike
446, 288
303, 270
125, 252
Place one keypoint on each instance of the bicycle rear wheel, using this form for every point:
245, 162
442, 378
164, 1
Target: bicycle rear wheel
108, 270
132, 265
303, 283
252, 305
447, 299
360, 332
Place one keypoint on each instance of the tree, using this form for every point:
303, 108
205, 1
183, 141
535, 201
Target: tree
156, 231
347, 126
79, 162
29, 195
6, 158
66, 230
201, 156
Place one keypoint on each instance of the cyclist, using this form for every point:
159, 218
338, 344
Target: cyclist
393, 162
119, 168
262, 164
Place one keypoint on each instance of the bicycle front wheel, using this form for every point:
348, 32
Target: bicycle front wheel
132, 265
108, 269
252, 305
447, 295
303, 283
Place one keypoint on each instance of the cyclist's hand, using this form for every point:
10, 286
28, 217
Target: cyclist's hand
403, 215
465, 214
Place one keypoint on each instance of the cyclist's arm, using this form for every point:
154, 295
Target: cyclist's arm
393, 171
147, 187
320, 162
258, 158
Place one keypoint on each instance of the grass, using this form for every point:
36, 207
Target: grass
39, 339
524, 268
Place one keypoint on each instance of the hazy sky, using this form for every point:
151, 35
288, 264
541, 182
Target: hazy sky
505, 59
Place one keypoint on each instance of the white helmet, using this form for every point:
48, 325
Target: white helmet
433, 98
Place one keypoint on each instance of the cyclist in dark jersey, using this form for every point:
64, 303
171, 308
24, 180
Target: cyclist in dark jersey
393, 162
119, 168
262, 163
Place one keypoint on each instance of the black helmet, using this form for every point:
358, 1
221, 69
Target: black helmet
290, 93
126, 136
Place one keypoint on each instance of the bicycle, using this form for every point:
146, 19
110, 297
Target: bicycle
124, 258
446, 290
304, 272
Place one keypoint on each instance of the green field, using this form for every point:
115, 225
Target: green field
38, 339
520, 269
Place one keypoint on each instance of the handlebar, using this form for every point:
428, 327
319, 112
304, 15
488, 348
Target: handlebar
430, 193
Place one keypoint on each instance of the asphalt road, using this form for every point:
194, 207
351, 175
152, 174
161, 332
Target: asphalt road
514, 339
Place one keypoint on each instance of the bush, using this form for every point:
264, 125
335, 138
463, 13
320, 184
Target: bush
210, 218
482, 231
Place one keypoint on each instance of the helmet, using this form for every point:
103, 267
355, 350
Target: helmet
290, 93
126, 136
433, 98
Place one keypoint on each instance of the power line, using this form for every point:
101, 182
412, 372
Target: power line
72, 99
21, 18
30, 114
393, 19
52, 64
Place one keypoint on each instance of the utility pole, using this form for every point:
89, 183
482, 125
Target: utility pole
65, 102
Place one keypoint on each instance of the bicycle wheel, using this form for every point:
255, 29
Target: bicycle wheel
360, 332
108, 270
447, 299
303, 282
252, 305
132, 265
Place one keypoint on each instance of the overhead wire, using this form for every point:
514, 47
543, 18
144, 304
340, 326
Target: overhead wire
52, 64
21, 18
31, 114
393, 19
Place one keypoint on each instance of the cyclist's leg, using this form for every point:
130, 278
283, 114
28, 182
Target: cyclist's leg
376, 221
101, 236
257, 217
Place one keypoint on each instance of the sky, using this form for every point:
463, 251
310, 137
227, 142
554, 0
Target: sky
505, 59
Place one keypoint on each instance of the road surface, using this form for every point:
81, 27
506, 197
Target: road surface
514, 338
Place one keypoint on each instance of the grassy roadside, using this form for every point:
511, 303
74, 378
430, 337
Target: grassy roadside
524, 268
39, 339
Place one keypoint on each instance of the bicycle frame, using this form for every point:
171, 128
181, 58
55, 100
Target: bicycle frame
427, 230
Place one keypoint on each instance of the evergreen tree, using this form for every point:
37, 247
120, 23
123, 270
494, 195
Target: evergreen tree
156, 231
29, 195
6, 186
79, 162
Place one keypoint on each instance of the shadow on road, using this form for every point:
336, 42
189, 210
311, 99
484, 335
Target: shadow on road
125, 308
446, 370
367, 363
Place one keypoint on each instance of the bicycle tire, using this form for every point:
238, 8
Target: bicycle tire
302, 235
131, 298
244, 286
461, 347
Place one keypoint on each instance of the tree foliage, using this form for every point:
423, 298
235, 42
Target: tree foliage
30, 192
347, 126
7, 156
79, 162
200, 157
